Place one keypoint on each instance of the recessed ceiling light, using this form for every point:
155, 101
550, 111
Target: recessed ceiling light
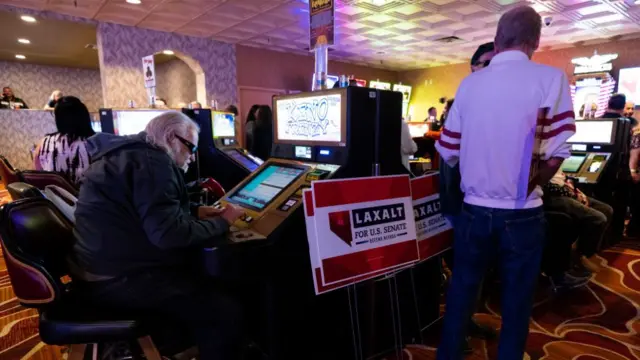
27, 18
378, 2
24, 41
134, 2
168, 52
21, 57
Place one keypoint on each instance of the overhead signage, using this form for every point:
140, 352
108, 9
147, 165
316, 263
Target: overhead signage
321, 23
596, 63
149, 71
433, 231
359, 229
379, 85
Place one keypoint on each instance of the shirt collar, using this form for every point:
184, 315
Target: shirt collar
509, 56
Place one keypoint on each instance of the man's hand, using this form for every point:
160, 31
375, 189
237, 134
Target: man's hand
582, 198
635, 177
208, 211
231, 213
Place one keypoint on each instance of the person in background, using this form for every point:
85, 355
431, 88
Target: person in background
432, 114
263, 133
10, 101
53, 100
232, 109
629, 110
615, 108
633, 228
196, 105
408, 146
138, 235
451, 197
502, 216
161, 103
65, 151
249, 126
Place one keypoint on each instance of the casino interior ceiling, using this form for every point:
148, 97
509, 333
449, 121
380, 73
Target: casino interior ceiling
395, 34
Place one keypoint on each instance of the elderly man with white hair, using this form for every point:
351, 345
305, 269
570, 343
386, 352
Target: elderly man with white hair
506, 153
138, 236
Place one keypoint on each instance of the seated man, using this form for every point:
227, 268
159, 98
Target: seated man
138, 237
590, 216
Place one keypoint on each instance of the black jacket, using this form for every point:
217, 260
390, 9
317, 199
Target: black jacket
133, 210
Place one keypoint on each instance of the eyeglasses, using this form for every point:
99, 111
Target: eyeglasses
192, 148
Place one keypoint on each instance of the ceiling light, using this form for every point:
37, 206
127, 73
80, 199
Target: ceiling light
378, 2
168, 52
27, 18
24, 41
134, 2
21, 57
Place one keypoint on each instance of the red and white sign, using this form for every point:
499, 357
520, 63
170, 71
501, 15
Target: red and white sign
149, 71
433, 231
359, 229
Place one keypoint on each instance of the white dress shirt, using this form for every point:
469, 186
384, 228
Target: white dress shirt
505, 119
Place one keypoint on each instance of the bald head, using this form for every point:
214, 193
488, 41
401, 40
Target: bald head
629, 108
519, 29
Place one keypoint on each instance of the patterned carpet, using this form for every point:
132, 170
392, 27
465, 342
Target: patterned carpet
601, 320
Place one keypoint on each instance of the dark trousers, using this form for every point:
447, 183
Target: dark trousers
183, 297
633, 229
589, 222
517, 237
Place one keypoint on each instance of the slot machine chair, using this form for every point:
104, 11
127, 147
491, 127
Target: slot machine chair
8, 174
36, 239
19, 190
41, 179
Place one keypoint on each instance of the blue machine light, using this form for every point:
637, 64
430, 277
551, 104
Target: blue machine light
325, 152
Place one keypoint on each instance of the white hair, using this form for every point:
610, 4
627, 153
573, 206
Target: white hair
53, 94
161, 129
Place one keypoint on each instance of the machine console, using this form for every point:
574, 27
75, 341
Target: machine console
270, 195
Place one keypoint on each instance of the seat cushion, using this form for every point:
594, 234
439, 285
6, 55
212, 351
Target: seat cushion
62, 327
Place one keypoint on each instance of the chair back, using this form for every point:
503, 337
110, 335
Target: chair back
8, 174
19, 190
41, 179
35, 238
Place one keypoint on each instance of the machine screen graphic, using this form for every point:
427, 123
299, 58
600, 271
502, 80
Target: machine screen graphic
223, 125
132, 122
243, 160
312, 118
629, 84
265, 186
592, 132
596, 163
572, 163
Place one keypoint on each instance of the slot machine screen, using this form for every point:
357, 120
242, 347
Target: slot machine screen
132, 122
629, 84
266, 186
593, 132
223, 124
311, 119
245, 161
573, 163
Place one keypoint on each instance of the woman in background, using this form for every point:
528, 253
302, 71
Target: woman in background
263, 133
249, 126
53, 100
65, 151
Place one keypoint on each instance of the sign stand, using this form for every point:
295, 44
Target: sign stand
355, 322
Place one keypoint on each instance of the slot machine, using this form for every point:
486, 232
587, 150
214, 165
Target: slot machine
326, 134
219, 155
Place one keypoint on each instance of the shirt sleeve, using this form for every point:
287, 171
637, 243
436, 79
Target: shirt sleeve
559, 122
449, 143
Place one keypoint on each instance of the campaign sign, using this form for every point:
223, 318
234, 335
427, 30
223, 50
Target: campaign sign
363, 226
433, 231
316, 264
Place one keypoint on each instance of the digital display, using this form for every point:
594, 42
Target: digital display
243, 160
266, 186
132, 122
303, 152
629, 84
222, 125
313, 118
592, 132
418, 130
380, 85
596, 163
572, 163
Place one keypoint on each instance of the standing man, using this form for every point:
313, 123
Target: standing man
8, 100
432, 114
505, 154
615, 107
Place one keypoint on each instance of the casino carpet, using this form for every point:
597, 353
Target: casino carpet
600, 321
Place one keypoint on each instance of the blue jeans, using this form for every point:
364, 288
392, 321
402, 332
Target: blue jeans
481, 234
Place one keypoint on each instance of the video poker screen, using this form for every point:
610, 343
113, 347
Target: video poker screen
629, 84
223, 124
313, 118
573, 163
593, 132
266, 186
132, 122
